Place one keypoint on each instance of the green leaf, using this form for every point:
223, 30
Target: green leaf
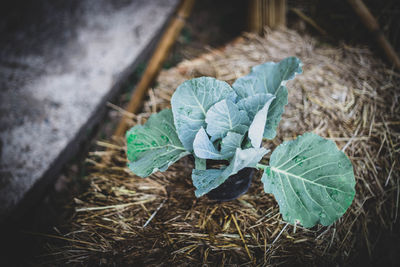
256, 129
190, 103
203, 148
224, 117
230, 143
270, 78
207, 180
312, 181
275, 112
200, 164
154, 146
245, 158
252, 104
267, 78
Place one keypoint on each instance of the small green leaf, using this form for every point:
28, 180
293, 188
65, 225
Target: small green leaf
207, 180
252, 104
200, 164
190, 103
269, 78
312, 181
245, 158
256, 129
224, 117
230, 143
275, 112
203, 148
154, 146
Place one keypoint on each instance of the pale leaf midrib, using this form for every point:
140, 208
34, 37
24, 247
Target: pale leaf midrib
307, 181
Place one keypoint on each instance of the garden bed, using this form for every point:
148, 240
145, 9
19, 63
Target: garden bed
345, 94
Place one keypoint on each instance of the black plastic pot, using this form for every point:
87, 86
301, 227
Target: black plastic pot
235, 186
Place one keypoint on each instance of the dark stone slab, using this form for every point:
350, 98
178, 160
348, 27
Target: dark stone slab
60, 61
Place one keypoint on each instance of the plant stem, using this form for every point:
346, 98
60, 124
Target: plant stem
261, 166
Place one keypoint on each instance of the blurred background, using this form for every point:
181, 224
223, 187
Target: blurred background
68, 67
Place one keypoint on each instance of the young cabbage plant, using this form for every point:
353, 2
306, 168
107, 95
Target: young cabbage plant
311, 179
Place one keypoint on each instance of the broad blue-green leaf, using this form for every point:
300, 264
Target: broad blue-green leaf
203, 148
230, 143
224, 117
154, 146
256, 129
207, 180
270, 78
190, 103
312, 181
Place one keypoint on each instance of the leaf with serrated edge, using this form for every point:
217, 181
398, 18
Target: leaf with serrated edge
190, 103
256, 129
269, 78
207, 180
154, 146
224, 117
203, 148
230, 143
312, 181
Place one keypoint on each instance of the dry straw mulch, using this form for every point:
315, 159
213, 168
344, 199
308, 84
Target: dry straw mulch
345, 94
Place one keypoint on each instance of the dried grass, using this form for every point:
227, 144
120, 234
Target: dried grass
345, 94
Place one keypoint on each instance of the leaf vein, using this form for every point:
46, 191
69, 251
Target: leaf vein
308, 181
